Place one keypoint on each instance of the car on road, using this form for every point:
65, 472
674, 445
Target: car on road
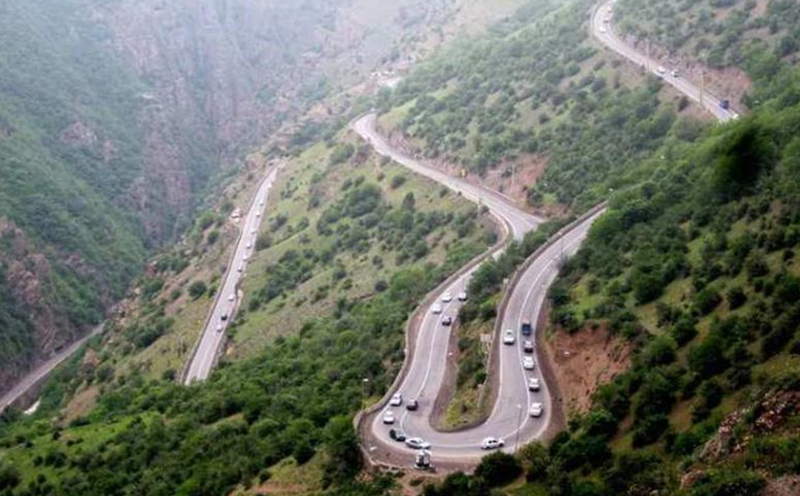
241, 268
528, 363
447, 297
258, 214
231, 297
412, 405
261, 203
224, 316
527, 346
437, 308
248, 245
526, 328
675, 73
536, 409
398, 435
462, 296
219, 327
534, 384
725, 104
491, 443
661, 70
447, 320
388, 417
508, 337
253, 232
607, 19
396, 400
602, 29
417, 443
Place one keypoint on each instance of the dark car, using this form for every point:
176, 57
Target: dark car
725, 104
398, 435
412, 405
447, 320
526, 328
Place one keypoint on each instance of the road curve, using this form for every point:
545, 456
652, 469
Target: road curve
204, 354
603, 30
426, 365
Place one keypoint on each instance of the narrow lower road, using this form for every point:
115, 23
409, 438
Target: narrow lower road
603, 30
221, 314
426, 364
37, 375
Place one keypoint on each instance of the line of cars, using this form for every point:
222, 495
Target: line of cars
536, 408
413, 404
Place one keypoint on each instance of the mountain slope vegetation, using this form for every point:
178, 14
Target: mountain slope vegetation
118, 119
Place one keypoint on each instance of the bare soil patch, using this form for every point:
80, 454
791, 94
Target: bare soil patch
583, 361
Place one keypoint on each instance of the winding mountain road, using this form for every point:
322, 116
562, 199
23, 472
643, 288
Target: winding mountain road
603, 30
427, 362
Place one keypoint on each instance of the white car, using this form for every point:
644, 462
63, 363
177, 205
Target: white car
248, 245
536, 410
219, 327
231, 297
533, 384
396, 400
241, 268
462, 296
447, 297
261, 203
388, 417
602, 29
492, 443
528, 363
417, 443
675, 73
258, 214
508, 337
437, 308
661, 70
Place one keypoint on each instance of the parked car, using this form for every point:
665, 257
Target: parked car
536, 410
526, 328
447, 320
508, 337
462, 296
527, 346
398, 435
388, 417
492, 443
436, 308
396, 400
528, 363
417, 443
412, 405
533, 384
447, 297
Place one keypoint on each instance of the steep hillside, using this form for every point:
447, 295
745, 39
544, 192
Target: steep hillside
538, 109
118, 118
729, 41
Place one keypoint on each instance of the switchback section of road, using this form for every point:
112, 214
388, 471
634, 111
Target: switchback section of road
423, 371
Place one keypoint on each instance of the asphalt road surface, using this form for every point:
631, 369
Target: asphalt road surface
221, 314
510, 418
519, 221
603, 30
43, 370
